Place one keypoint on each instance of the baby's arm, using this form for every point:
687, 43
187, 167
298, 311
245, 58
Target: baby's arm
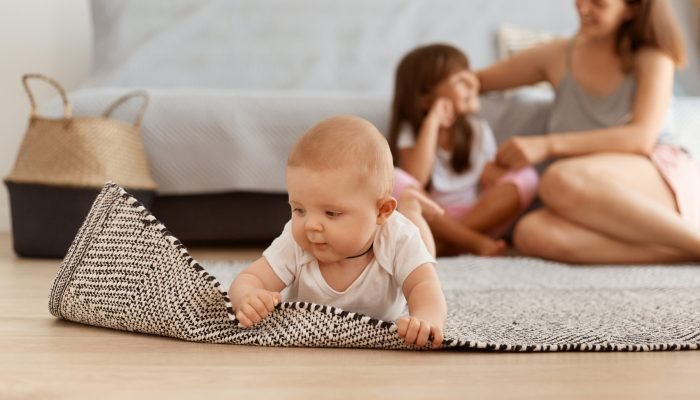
426, 306
255, 292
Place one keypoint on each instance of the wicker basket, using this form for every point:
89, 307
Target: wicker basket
61, 166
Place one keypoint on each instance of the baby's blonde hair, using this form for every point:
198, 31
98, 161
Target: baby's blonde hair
347, 142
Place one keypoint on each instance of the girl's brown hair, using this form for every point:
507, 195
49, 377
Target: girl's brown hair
654, 25
418, 73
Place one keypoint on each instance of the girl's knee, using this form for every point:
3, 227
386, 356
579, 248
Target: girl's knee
403, 181
408, 202
525, 181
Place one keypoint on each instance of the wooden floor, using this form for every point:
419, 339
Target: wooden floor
42, 357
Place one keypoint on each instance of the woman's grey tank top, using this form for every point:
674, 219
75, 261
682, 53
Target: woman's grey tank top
574, 109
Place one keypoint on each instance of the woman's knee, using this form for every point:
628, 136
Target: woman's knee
564, 183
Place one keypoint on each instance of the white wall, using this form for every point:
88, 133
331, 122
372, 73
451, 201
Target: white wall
47, 36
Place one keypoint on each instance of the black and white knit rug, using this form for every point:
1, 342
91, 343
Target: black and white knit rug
126, 271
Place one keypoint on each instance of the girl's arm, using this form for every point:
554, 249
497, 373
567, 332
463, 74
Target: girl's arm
418, 160
525, 68
255, 292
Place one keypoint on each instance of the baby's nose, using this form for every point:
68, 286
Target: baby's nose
313, 224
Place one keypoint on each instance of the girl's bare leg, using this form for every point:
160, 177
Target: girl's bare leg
447, 230
413, 206
544, 234
622, 197
452, 231
494, 208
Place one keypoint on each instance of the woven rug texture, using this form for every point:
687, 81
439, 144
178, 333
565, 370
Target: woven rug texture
125, 271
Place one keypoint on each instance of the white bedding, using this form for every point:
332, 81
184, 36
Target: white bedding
205, 141
212, 141
209, 141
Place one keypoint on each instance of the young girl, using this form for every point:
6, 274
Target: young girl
444, 150
624, 192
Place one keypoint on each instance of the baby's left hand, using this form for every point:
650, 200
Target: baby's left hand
417, 331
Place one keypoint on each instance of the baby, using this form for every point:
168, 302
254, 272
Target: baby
345, 246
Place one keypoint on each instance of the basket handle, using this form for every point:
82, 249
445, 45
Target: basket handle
126, 97
67, 108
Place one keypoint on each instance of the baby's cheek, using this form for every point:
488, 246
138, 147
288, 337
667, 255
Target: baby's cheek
300, 238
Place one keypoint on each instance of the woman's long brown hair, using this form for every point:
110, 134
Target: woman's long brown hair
654, 25
417, 75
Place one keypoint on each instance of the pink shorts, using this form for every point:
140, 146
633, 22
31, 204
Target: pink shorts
525, 181
682, 175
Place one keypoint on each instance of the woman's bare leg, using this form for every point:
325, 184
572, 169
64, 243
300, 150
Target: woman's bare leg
620, 196
544, 234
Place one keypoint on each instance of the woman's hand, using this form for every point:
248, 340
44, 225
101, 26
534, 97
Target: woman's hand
442, 112
518, 152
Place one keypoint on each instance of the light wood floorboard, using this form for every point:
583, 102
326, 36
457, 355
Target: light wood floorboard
42, 357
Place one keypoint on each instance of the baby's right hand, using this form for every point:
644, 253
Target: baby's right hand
442, 111
416, 331
256, 305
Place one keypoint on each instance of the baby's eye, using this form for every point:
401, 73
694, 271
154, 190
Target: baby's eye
332, 214
298, 211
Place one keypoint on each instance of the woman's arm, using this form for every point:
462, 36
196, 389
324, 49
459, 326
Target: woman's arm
525, 68
654, 76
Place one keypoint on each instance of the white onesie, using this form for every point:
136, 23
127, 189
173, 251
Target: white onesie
377, 292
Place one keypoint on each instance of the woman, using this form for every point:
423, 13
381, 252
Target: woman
622, 191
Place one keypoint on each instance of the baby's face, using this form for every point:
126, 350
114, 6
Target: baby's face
334, 213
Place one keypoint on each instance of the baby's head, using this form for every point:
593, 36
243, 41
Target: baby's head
339, 178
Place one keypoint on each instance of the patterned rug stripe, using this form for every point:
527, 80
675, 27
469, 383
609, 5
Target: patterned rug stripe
126, 271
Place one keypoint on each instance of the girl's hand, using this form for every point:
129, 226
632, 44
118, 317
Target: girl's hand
518, 152
491, 174
256, 305
417, 331
442, 112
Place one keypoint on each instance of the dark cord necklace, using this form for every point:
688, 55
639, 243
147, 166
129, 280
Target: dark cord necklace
360, 255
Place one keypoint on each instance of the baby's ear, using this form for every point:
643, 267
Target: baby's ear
386, 207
